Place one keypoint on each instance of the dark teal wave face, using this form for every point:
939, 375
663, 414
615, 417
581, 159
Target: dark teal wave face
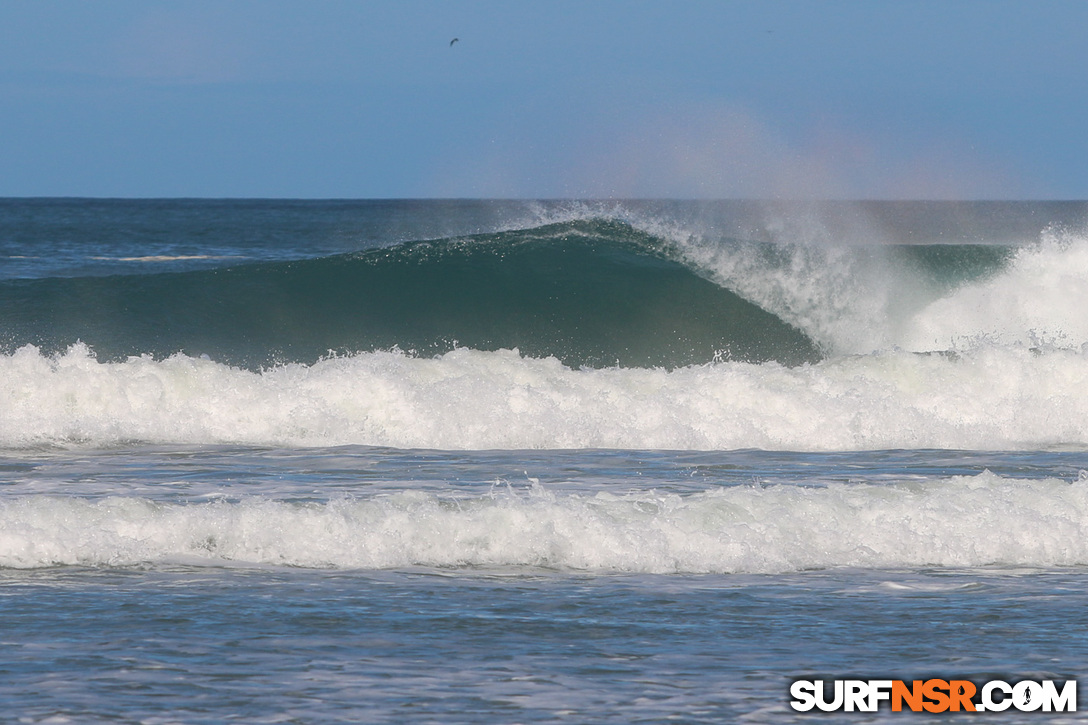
947, 265
591, 293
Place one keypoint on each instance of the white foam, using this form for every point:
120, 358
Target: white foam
991, 398
169, 258
957, 522
1041, 298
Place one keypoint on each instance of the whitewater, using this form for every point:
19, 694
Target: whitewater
982, 520
497, 461
991, 397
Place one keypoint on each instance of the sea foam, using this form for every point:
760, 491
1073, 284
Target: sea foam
992, 397
982, 520
1041, 298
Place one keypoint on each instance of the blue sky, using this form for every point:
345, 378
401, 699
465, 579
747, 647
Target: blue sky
267, 98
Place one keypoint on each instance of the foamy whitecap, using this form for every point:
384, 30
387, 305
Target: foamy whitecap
956, 522
1040, 299
989, 398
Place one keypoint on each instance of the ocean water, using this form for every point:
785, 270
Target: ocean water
511, 462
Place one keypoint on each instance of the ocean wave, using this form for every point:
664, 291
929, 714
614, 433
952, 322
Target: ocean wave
591, 285
857, 292
991, 398
589, 292
982, 520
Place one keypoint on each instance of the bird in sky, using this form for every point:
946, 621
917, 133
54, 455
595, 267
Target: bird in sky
453, 41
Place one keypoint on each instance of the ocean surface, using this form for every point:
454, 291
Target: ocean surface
529, 462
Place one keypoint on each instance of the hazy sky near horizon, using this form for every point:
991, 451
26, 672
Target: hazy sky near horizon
928, 99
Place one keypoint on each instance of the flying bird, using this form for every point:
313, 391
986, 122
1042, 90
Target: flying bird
453, 41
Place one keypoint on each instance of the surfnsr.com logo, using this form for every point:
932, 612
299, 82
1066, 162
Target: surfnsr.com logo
934, 695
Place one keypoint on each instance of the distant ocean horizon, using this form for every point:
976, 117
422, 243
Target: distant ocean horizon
535, 461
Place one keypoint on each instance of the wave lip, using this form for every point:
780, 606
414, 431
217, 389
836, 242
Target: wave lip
983, 520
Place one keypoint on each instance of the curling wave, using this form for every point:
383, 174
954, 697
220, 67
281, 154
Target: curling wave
591, 292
